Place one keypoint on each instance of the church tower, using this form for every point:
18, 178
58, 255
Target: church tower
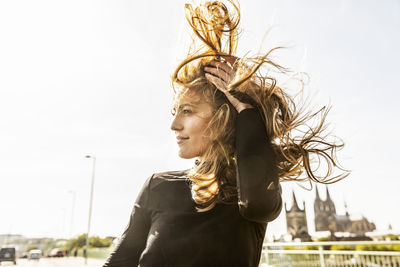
324, 211
296, 220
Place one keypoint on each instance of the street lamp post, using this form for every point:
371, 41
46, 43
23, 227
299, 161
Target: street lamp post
90, 205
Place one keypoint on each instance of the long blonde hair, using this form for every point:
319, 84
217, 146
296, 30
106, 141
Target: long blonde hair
214, 177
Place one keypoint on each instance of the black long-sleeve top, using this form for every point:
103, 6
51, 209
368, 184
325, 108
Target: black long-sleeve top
166, 230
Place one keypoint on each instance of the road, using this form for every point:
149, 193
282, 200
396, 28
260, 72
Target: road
56, 262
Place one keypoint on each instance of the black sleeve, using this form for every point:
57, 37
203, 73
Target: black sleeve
134, 238
257, 178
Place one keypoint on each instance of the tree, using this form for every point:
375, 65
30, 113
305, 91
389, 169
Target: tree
81, 241
98, 242
94, 241
30, 247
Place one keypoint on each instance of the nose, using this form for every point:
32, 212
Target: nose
176, 124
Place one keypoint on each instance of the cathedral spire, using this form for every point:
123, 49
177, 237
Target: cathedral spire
295, 204
328, 197
316, 193
346, 209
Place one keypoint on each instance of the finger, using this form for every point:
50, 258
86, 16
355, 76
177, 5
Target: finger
223, 66
219, 83
231, 60
219, 73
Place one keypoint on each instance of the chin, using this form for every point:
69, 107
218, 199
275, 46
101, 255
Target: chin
186, 155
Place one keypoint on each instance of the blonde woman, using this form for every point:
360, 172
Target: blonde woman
238, 125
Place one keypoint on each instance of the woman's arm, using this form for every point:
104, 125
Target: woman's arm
257, 179
133, 240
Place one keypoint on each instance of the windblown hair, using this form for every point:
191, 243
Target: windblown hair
213, 179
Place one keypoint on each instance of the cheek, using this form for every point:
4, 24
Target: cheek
200, 128
203, 138
196, 129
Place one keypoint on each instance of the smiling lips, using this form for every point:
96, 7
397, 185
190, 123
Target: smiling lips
180, 139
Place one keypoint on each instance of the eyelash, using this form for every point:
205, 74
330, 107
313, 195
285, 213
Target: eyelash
186, 111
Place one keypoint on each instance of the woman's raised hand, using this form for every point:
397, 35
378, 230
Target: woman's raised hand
221, 74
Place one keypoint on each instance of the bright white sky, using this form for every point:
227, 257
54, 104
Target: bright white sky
92, 77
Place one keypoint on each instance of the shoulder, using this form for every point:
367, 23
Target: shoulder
170, 174
167, 177
168, 190
159, 184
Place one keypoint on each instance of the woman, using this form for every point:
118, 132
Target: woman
238, 125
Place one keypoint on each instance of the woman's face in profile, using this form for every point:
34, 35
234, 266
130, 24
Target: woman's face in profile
190, 125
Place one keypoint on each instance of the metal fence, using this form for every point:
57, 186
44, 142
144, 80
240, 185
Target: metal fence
331, 254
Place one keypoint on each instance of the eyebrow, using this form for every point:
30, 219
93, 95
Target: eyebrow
189, 104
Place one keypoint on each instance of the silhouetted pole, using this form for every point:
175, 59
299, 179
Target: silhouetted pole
90, 205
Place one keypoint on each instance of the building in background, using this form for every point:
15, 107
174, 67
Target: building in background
347, 227
296, 221
326, 219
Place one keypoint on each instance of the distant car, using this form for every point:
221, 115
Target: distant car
56, 252
34, 254
8, 254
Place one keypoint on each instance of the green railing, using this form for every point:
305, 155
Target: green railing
331, 254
